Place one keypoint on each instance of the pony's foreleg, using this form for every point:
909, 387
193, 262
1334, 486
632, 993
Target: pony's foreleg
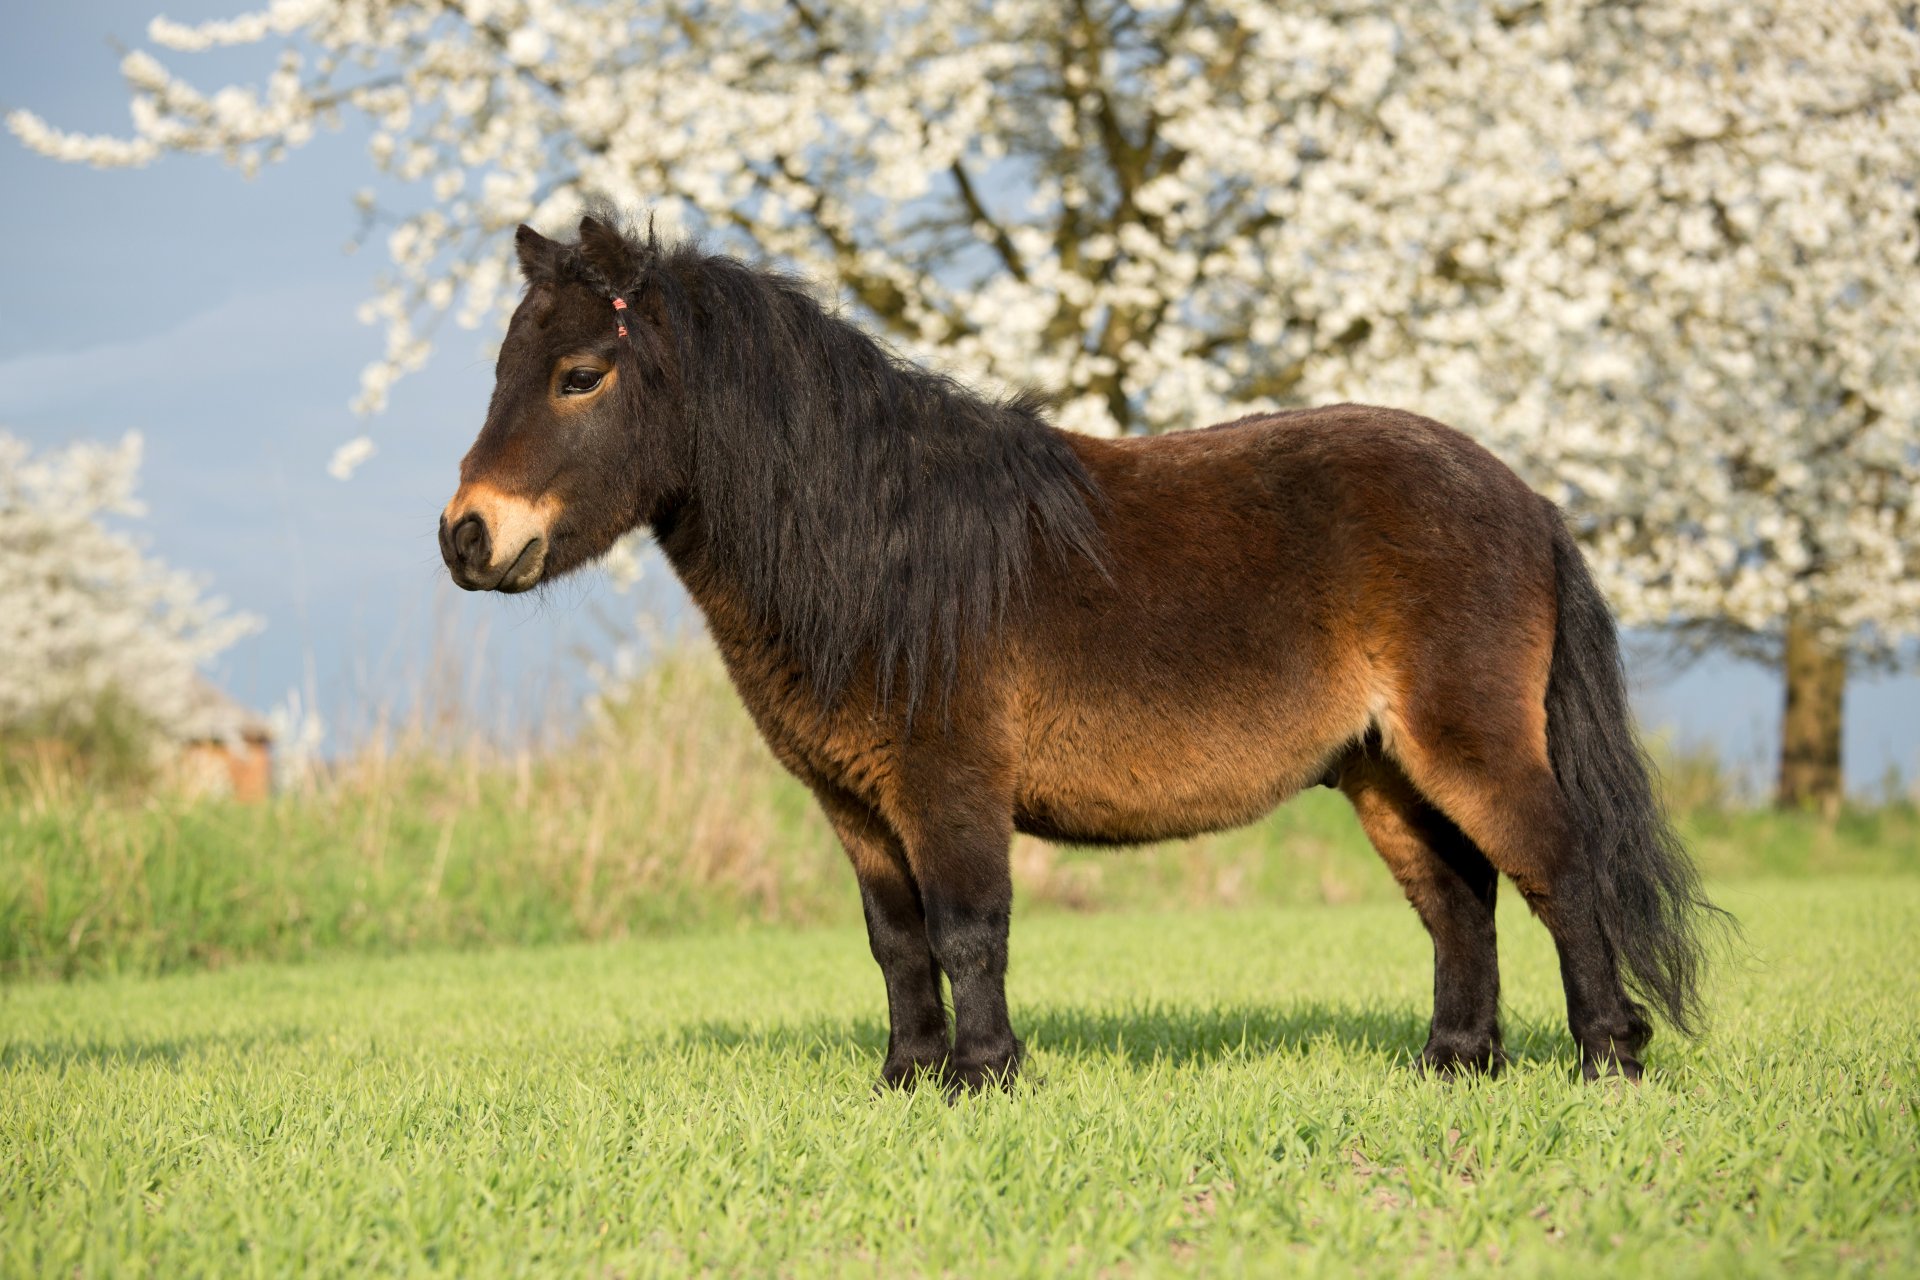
1452, 887
959, 856
897, 933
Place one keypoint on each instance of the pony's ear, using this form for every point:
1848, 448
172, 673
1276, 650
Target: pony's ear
537, 254
608, 252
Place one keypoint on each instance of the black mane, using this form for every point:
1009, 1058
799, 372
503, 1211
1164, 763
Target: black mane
867, 507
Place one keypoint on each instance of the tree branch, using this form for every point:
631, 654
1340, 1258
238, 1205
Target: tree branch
977, 211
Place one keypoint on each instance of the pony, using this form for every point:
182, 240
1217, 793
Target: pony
953, 621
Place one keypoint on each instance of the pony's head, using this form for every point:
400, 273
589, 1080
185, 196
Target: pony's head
582, 439
870, 511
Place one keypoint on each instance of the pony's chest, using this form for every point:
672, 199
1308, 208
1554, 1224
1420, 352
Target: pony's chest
841, 747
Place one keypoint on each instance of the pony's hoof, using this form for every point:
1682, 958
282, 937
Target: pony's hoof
909, 1071
996, 1072
1611, 1066
1453, 1061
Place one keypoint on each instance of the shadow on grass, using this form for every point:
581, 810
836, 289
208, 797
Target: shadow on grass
62, 1054
1141, 1034
1168, 1033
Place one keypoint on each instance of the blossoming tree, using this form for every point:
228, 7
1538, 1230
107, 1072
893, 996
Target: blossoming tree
1671, 263
88, 613
1653, 253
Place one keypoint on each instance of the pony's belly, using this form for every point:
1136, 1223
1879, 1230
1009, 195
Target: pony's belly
1161, 787
1114, 820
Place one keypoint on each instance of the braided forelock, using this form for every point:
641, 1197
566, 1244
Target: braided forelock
612, 256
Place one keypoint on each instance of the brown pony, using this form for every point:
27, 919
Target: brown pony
953, 621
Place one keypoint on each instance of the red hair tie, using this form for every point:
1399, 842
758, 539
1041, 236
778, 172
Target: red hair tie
619, 305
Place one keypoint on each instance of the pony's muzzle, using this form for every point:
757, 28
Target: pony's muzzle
493, 541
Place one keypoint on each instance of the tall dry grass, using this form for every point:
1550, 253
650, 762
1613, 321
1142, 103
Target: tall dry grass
665, 812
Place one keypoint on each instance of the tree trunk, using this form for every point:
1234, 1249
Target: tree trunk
1810, 776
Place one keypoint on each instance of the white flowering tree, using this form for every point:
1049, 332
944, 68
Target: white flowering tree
1652, 252
88, 615
1669, 266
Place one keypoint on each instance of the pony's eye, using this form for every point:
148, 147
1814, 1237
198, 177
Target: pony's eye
580, 380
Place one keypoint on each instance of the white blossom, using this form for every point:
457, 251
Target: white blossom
348, 457
88, 612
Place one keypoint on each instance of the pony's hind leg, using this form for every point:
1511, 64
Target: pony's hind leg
1503, 795
897, 934
1452, 887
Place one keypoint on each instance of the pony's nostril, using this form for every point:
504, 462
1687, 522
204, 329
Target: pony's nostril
470, 541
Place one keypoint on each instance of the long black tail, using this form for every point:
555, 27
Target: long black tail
1651, 907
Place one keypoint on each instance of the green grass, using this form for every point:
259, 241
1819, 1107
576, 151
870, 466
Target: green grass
1210, 1092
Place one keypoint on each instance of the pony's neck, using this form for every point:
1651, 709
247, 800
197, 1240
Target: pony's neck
684, 536
681, 532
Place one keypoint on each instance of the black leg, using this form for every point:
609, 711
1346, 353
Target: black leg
958, 852
897, 933
1610, 1028
969, 937
916, 1020
1518, 818
1459, 914
1452, 887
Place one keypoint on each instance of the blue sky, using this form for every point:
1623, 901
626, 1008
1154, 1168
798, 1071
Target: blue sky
216, 315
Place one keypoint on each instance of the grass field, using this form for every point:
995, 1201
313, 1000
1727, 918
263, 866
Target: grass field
1209, 1091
